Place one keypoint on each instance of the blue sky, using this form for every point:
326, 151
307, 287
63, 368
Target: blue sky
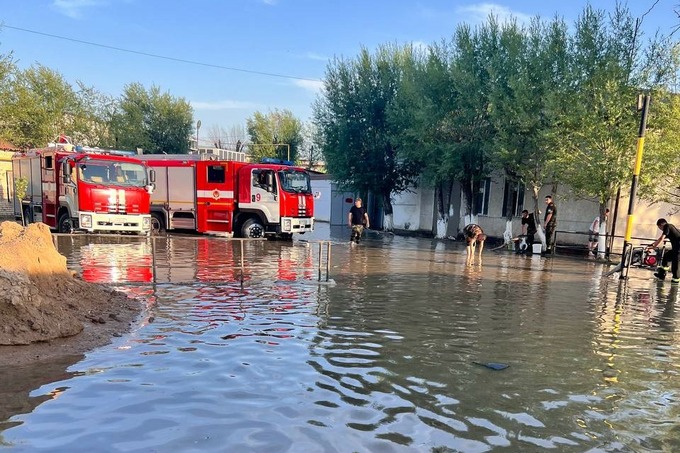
283, 37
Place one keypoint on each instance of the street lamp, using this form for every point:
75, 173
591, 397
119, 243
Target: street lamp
198, 127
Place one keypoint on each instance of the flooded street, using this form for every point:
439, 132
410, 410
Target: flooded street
385, 357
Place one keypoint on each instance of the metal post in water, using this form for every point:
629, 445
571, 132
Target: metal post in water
153, 259
328, 260
643, 105
319, 264
242, 265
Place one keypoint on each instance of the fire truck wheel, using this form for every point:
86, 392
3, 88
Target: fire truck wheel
157, 226
252, 228
65, 224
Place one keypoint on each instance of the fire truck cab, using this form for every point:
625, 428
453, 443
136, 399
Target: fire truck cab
230, 197
84, 189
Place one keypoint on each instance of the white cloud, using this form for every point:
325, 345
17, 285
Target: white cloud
316, 56
224, 105
74, 8
314, 86
270, 2
479, 12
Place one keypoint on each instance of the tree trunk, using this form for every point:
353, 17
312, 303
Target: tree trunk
442, 212
388, 212
602, 238
443, 193
537, 215
468, 215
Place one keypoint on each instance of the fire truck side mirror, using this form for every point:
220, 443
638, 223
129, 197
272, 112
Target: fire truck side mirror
270, 181
65, 172
152, 175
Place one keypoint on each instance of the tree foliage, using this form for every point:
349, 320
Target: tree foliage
542, 103
152, 120
609, 68
359, 134
274, 134
40, 105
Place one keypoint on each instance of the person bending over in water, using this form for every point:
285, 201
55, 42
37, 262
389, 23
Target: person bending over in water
474, 236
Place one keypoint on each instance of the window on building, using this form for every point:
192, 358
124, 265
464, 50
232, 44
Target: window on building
481, 194
513, 199
216, 174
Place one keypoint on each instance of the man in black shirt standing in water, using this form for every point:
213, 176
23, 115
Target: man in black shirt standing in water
550, 223
670, 232
358, 219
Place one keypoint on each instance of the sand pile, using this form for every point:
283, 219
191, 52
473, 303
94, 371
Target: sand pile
41, 300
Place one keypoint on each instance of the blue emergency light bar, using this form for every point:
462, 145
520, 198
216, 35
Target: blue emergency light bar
275, 161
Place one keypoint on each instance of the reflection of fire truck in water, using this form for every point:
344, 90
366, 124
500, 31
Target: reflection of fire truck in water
87, 189
117, 263
230, 196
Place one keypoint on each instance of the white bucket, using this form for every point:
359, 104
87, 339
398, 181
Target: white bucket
537, 248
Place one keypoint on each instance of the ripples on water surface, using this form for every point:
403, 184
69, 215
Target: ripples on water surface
381, 361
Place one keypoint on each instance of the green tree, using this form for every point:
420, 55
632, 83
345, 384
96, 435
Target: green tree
93, 119
7, 68
423, 112
448, 127
660, 175
274, 134
608, 69
358, 137
40, 106
526, 101
154, 121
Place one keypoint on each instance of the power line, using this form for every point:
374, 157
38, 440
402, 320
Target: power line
162, 57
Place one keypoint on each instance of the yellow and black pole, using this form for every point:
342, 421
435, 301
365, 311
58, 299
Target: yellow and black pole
643, 104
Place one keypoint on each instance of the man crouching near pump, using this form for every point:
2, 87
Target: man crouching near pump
474, 235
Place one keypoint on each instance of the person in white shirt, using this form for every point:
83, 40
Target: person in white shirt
594, 233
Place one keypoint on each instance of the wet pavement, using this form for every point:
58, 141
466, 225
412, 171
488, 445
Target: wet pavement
384, 357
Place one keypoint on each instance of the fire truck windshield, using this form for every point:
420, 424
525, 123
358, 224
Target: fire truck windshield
295, 181
112, 173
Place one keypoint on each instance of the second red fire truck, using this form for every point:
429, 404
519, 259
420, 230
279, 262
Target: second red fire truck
70, 188
230, 197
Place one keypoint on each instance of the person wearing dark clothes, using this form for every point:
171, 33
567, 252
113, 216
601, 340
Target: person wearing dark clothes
358, 219
528, 228
474, 235
670, 232
550, 222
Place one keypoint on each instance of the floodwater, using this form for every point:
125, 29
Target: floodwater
381, 358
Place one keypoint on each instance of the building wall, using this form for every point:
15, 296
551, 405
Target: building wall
416, 211
644, 221
572, 214
322, 201
6, 193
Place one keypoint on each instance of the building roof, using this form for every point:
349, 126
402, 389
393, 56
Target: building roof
7, 146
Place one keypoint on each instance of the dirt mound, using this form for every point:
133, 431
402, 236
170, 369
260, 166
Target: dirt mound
41, 300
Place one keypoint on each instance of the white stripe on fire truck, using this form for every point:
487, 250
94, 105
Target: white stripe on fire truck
49, 186
211, 193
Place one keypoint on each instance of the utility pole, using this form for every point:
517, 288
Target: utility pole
643, 105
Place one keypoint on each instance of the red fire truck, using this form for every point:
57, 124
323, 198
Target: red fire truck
230, 196
73, 188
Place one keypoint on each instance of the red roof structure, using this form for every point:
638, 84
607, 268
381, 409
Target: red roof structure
7, 146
